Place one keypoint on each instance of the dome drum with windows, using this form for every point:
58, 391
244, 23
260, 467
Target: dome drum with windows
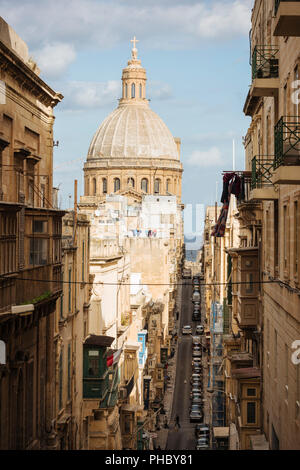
133, 149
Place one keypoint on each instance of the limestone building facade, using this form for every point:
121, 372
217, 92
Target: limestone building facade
30, 249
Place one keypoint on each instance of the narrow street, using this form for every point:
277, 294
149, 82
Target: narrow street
184, 438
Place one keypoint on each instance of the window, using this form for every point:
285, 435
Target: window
133, 90
62, 298
251, 412
275, 233
296, 240
69, 371
43, 195
168, 187
157, 186
39, 226
126, 90
249, 283
70, 291
251, 392
94, 186
8, 246
93, 369
30, 191
38, 252
104, 185
141, 91
144, 185
117, 185
285, 237
60, 394
127, 424
83, 262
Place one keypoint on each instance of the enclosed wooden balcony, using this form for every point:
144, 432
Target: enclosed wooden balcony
287, 18
247, 287
287, 151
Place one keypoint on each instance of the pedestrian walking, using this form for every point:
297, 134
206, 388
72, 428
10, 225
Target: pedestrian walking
177, 423
166, 423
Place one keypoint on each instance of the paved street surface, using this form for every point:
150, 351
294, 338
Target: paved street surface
177, 397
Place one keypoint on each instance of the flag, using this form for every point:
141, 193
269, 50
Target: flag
113, 358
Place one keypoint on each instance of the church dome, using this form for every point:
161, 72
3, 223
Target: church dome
133, 131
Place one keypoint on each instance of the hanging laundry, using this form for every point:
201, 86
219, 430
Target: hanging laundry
231, 185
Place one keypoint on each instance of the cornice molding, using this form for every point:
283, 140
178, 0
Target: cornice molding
26, 78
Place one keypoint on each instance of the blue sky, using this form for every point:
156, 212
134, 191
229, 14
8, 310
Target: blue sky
196, 54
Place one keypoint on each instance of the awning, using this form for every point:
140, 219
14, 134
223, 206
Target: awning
94, 340
221, 432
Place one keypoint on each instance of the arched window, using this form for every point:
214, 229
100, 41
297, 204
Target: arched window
130, 182
87, 187
104, 185
168, 186
144, 185
141, 90
117, 184
126, 90
157, 186
133, 90
94, 186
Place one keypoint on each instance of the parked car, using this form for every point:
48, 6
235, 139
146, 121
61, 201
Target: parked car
197, 354
202, 430
195, 390
196, 340
199, 330
196, 318
187, 330
202, 444
196, 375
196, 296
197, 400
196, 415
196, 361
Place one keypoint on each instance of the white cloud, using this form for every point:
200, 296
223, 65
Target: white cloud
90, 95
54, 59
104, 24
207, 158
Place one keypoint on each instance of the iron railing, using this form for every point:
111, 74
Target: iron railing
287, 141
265, 63
262, 171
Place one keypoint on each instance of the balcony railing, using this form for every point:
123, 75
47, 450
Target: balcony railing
287, 141
262, 171
265, 63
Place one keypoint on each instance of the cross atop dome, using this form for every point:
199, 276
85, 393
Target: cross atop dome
134, 49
